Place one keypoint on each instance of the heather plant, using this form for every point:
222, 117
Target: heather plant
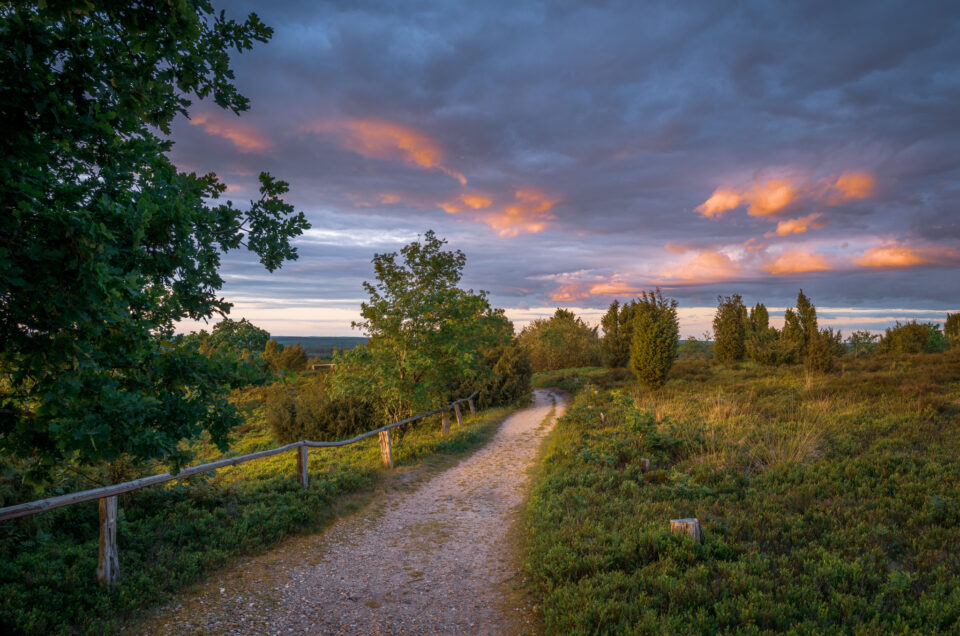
729, 333
655, 338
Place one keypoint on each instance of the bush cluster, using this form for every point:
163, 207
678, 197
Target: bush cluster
306, 409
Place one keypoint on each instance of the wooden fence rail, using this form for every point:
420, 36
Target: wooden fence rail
108, 570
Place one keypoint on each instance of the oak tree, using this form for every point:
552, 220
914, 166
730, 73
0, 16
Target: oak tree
104, 243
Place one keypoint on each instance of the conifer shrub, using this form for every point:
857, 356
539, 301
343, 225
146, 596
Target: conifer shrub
655, 338
308, 410
729, 331
510, 383
913, 337
822, 351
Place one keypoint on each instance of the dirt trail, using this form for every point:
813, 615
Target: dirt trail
436, 560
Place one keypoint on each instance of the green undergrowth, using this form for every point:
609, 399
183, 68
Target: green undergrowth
172, 536
829, 504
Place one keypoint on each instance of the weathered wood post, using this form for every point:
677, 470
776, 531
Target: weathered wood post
445, 423
386, 453
456, 411
108, 566
302, 476
644, 464
603, 419
687, 526
473, 411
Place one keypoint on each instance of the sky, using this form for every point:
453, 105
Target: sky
580, 152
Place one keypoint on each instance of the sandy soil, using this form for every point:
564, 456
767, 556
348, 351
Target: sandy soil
440, 559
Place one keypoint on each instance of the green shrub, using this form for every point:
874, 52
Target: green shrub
307, 410
655, 338
511, 380
913, 337
729, 333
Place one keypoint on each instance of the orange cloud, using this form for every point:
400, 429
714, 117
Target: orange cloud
245, 137
476, 201
894, 256
382, 139
569, 293
720, 201
675, 248
774, 195
853, 185
797, 262
770, 197
616, 286
706, 266
472, 201
800, 225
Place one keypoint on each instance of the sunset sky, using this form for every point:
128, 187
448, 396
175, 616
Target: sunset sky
579, 152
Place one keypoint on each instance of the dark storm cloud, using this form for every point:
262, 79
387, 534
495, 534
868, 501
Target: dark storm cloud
587, 135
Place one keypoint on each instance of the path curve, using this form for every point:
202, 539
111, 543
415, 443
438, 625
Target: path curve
437, 560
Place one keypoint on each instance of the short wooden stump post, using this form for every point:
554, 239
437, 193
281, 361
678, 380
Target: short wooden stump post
689, 526
456, 411
108, 566
644, 464
445, 423
386, 453
473, 411
302, 475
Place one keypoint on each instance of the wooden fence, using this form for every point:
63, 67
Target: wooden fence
108, 568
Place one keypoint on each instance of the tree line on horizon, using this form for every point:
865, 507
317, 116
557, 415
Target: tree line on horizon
642, 334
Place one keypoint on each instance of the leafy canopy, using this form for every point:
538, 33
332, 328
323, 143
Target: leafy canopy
428, 338
562, 341
104, 244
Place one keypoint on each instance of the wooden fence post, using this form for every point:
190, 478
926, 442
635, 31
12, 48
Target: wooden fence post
386, 453
445, 423
473, 411
644, 464
456, 411
108, 567
302, 475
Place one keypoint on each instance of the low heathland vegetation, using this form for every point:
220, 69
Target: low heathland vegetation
828, 502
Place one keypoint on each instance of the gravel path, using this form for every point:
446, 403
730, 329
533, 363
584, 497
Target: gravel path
440, 559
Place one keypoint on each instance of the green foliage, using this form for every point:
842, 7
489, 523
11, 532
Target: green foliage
862, 342
913, 337
104, 244
173, 536
822, 351
828, 505
307, 409
510, 382
280, 358
693, 349
790, 345
951, 329
762, 341
561, 341
807, 315
615, 343
428, 338
655, 338
729, 332
237, 336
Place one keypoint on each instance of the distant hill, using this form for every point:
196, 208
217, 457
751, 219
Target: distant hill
321, 346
